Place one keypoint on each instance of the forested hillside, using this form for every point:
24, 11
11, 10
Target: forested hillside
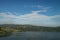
21, 28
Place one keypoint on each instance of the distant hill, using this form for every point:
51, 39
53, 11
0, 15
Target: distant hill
31, 28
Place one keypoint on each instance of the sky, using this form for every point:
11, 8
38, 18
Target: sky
33, 12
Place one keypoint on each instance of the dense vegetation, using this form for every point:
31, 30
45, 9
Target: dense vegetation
4, 32
21, 28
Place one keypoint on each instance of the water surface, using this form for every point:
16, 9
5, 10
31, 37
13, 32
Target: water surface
33, 36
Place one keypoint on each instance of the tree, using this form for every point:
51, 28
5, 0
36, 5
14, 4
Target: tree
0, 28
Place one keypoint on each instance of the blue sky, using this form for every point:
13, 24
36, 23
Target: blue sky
34, 12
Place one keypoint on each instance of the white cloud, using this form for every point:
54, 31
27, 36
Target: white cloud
46, 8
37, 6
31, 18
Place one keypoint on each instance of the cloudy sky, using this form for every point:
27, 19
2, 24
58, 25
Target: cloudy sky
33, 12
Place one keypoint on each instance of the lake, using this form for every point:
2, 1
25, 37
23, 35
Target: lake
33, 36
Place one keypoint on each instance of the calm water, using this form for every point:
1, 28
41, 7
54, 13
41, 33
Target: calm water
33, 36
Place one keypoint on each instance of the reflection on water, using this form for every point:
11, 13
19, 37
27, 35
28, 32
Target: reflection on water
33, 36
